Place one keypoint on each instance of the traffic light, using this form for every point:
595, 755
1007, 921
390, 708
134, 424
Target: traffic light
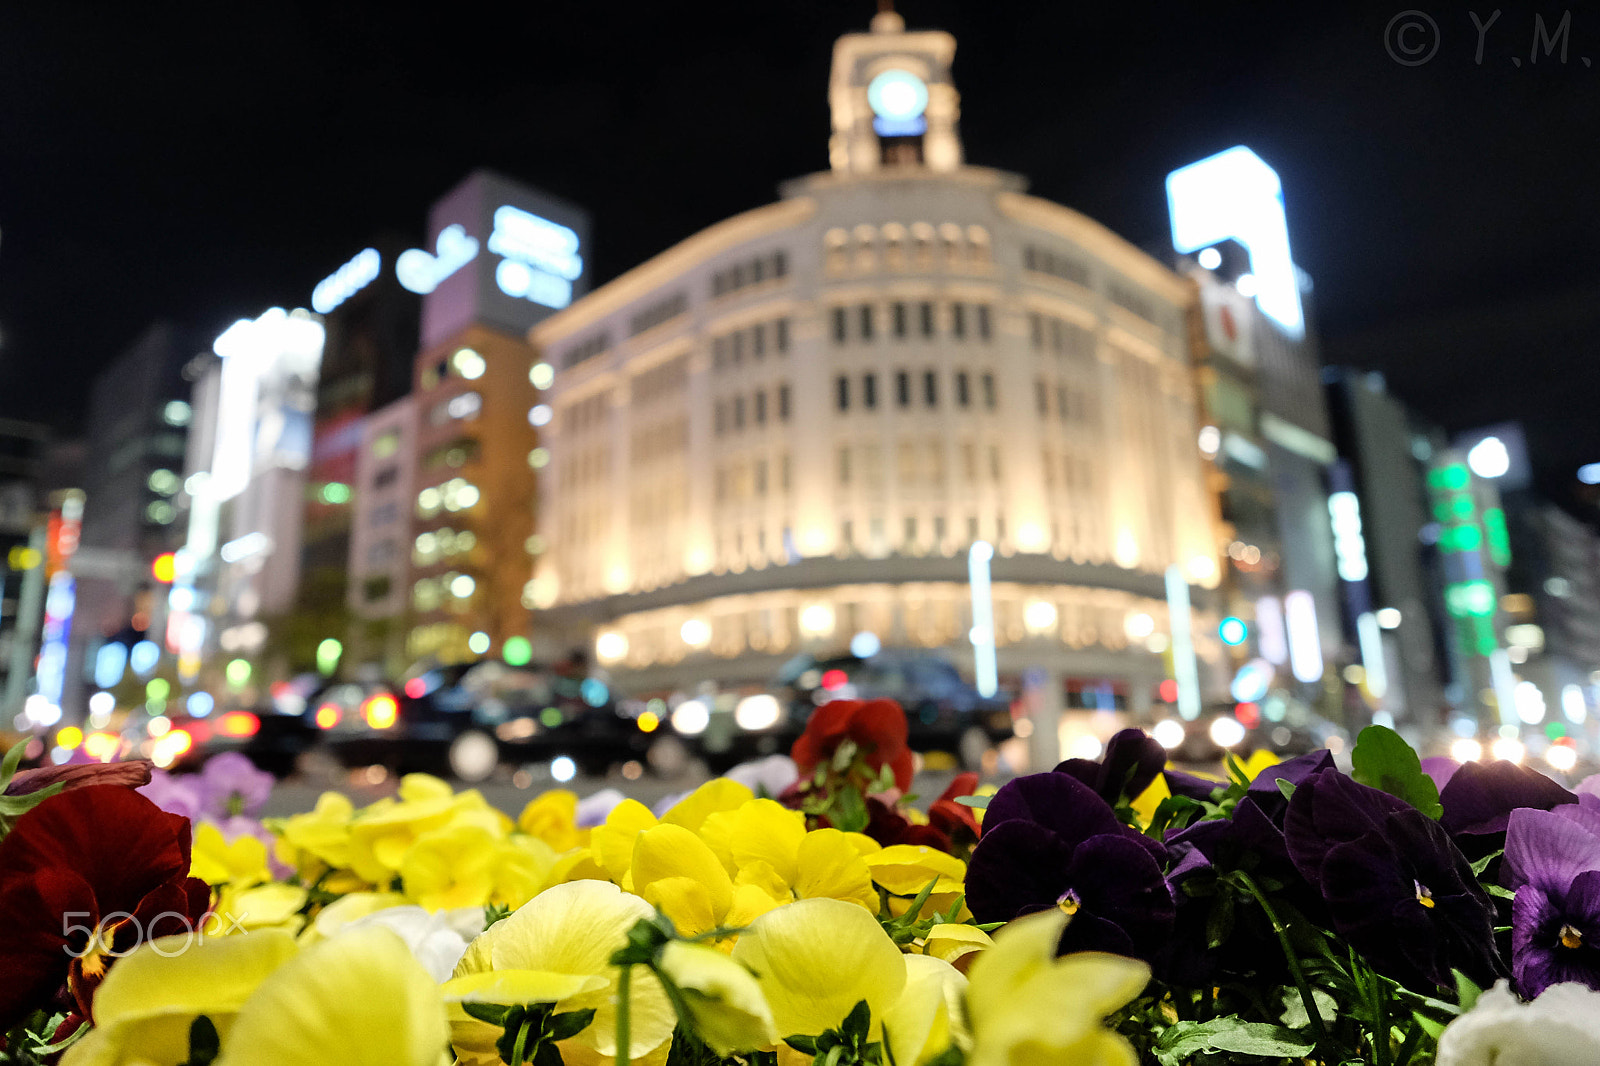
164, 568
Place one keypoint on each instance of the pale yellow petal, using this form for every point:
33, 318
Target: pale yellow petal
346, 909
359, 999
766, 831
686, 902
816, 959
905, 869
414, 787
918, 1024
519, 986
730, 1012
828, 866
718, 794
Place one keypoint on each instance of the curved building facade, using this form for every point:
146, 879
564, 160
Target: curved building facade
791, 427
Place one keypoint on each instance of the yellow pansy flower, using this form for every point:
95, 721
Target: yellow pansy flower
919, 1025
149, 999
1010, 980
359, 999
906, 869
718, 794
247, 909
331, 919
453, 866
553, 818
957, 944
522, 866
816, 959
725, 1003
1259, 761
611, 844
318, 840
766, 844
557, 949
217, 862
1145, 804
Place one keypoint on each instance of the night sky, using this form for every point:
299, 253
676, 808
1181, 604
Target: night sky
200, 163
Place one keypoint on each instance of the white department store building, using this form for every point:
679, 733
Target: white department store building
790, 427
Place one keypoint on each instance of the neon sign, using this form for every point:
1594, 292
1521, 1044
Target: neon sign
1236, 195
345, 282
421, 272
540, 257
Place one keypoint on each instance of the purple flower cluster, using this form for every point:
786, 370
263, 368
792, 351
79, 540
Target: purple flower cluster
1553, 864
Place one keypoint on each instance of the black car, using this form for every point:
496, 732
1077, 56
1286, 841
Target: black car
943, 711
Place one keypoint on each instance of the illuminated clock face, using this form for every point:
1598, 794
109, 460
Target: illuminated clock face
897, 96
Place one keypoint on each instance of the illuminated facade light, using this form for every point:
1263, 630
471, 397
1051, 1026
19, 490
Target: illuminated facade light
1184, 665
1370, 635
468, 363
478, 643
986, 671
1349, 546
1271, 638
1233, 631
817, 620
1235, 195
1209, 259
1305, 644
539, 458
539, 415
1489, 458
1529, 702
1138, 625
1573, 704
1589, 473
696, 632
462, 586
610, 646
1210, 440
542, 375
1389, 617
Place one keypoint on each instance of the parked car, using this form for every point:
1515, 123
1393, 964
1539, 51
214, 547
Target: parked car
943, 711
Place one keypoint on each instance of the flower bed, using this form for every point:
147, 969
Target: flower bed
1103, 912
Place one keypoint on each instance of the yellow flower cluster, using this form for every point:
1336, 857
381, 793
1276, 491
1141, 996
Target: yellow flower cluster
780, 932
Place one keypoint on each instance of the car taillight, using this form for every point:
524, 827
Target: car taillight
416, 688
835, 679
380, 710
238, 724
327, 716
169, 746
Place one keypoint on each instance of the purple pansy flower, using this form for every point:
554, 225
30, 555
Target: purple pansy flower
1553, 864
230, 785
1050, 841
1131, 762
1479, 798
1395, 885
173, 794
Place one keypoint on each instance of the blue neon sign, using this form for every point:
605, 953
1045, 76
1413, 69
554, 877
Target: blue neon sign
421, 273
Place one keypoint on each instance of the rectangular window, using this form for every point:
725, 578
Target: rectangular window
719, 353
841, 328
938, 529
1049, 468
721, 419
783, 403
847, 535
898, 314
738, 348
758, 341
958, 321
1041, 397
1055, 335
780, 264
781, 342
969, 461
761, 408
972, 527
869, 391
988, 391
930, 388
844, 464
738, 412
784, 472
844, 393
1000, 527
1062, 406
994, 462
925, 313
761, 477
1036, 329
902, 388
984, 327
865, 312
963, 397
911, 531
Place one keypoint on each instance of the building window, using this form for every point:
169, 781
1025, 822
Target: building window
738, 348
902, 388
898, 314
1041, 398
1000, 527
780, 264
758, 341
844, 393
1063, 406
994, 462
761, 477
972, 528
930, 388
869, 391
847, 535
938, 529
719, 353
386, 477
840, 326
783, 472
781, 341
783, 402
988, 391
985, 330
958, 321
865, 312
738, 412
969, 460
963, 397
1055, 335
1036, 330
925, 313
844, 464
720, 418
761, 408
911, 531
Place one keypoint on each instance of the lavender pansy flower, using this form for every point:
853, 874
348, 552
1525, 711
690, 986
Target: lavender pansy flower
173, 794
231, 785
1050, 841
1395, 885
1553, 864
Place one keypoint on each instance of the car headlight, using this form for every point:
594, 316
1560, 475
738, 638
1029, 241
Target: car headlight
756, 713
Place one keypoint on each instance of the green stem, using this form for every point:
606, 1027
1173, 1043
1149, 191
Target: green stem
1409, 1047
624, 1037
1289, 956
519, 1049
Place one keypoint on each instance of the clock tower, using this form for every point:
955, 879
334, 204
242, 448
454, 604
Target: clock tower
893, 101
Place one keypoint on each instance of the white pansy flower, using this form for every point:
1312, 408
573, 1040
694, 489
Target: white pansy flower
1559, 1028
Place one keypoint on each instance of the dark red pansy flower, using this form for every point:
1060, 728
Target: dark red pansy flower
956, 820
877, 728
84, 877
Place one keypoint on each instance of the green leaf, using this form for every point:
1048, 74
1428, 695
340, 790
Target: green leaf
493, 1013
1467, 991
1230, 1034
13, 759
979, 802
1286, 788
858, 1022
1383, 761
806, 1045
1483, 863
1429, 1025
1496, 890
568, 1024
849, 812
1219, 921
1294, 1008
204, 1043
